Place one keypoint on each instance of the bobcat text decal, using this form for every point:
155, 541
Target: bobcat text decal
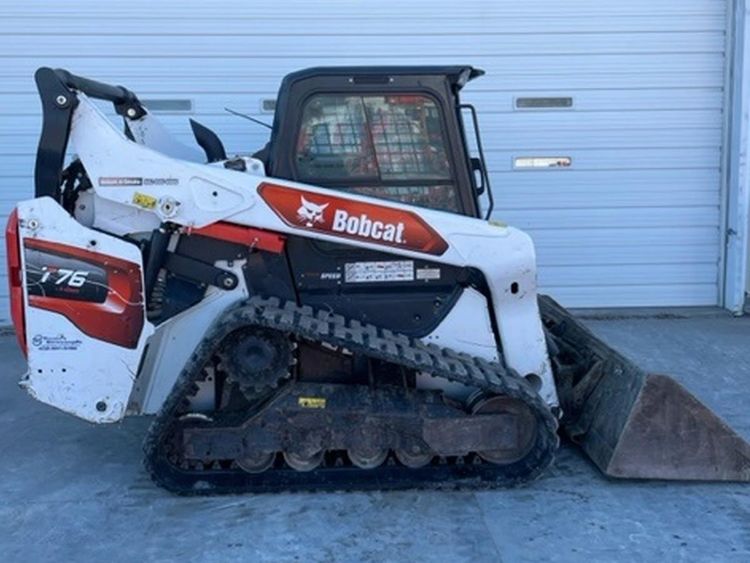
347, 218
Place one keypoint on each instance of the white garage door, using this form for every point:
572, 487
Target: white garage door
626, 97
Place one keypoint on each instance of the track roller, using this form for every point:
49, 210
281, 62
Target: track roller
302, 462
367, 458
257, 463
413, 460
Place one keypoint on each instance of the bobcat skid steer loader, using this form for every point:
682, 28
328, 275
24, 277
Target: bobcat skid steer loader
330, 313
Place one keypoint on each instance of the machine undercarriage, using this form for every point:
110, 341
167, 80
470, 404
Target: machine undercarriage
314, 435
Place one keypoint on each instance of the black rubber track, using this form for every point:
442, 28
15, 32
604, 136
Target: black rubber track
321, 326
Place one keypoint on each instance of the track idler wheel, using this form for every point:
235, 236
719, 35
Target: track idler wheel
526, 430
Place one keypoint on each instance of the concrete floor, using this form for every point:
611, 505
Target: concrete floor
72, 491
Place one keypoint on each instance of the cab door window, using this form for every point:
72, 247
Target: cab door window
389, 146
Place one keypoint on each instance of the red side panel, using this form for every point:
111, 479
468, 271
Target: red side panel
256, 238
102, 295
14, 279
346, 218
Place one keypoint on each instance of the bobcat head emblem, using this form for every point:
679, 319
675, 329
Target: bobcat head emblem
310, 213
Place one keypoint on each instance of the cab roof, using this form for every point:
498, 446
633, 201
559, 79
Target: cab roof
457, 75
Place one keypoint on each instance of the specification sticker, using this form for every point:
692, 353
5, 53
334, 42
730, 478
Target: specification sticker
427, 274
369, 272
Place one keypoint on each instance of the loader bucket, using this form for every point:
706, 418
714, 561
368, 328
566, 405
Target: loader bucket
632, 424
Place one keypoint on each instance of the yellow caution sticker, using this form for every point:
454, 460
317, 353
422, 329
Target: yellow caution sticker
312, 402
144, 200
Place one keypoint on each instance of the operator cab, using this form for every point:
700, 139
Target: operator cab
390, 132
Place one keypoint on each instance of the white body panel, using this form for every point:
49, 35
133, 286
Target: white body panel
149, 131
174, 342
466, 328
68, 369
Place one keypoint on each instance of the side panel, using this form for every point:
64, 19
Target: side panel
404, 295
84, 311
468, 329
175, 340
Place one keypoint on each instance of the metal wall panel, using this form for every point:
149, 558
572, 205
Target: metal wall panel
634, 220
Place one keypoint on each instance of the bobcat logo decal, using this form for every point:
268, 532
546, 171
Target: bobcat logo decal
310, 213
334, 216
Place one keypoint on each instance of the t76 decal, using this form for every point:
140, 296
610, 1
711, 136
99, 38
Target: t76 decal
351, 219
99, 294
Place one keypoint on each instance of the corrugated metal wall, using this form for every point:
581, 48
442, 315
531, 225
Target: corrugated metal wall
633, 221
